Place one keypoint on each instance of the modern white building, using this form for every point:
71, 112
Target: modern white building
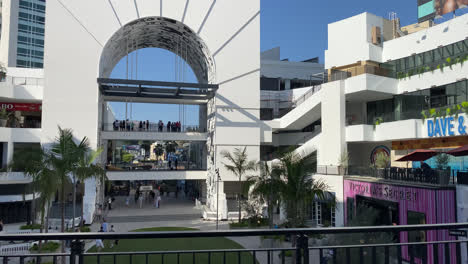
370, 102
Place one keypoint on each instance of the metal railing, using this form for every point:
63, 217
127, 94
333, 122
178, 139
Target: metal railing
298, 101
415, 175
396, 250
152, 127
30, 81
306, 95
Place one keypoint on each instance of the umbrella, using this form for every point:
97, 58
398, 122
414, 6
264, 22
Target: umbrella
419, 155
458, 152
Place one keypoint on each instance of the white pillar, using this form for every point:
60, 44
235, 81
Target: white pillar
333, 141
7, 153
287, 84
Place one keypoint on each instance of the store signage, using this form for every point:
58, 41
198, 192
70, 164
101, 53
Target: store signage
26, 107
385, 192
457, 233
446, 126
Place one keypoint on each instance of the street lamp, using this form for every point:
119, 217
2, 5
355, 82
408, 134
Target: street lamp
218, 178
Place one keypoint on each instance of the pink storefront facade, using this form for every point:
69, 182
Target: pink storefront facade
437, 205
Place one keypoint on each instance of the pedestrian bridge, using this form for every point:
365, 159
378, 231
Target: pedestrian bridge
156, 175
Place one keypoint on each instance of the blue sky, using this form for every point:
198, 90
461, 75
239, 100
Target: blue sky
299, 27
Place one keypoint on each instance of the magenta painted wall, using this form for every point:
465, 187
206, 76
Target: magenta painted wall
438, 205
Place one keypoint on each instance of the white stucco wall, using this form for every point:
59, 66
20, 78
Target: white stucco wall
356, 31
333, 134
442, 34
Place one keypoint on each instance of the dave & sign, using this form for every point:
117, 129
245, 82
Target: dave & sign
446, 126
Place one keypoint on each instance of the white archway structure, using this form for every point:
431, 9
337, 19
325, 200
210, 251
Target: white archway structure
78, 51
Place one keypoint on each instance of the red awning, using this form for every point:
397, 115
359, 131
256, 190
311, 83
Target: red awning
458, 152
419, 155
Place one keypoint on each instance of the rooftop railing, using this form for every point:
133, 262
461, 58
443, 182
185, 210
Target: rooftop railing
305, 250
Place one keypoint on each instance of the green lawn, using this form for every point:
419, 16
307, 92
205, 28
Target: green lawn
170, 244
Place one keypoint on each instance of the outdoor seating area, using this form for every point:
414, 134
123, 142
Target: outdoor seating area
428, 176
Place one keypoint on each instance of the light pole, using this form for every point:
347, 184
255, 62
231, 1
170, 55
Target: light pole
218, 178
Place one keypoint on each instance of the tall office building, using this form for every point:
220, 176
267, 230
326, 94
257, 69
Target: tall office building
22, 33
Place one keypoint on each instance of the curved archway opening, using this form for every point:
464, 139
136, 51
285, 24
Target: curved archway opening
159, 32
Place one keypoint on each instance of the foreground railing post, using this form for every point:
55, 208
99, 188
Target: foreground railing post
302, 249
76, 250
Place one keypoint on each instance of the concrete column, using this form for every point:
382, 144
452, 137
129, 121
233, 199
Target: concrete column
333, 141
287, 85
7, 153
202, 116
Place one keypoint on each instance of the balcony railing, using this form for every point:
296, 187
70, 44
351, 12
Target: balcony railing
19, 124
156, 166
363, 69
303, 252
134, 126
30, 81
413, 175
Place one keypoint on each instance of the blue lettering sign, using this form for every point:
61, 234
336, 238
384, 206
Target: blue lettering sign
437, 128
443, 126
450, 126
430, 128
461, 125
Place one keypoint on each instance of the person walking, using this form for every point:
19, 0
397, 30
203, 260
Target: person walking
147, 125
140, 199
109, 203
99, 243
112, 242
104, 225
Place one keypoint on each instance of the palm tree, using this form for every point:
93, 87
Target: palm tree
79, 152
86, 169
63, 156
297, 188
265, 186
31, 161
239, 167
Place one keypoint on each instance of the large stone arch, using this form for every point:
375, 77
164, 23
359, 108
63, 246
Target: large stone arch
76, 36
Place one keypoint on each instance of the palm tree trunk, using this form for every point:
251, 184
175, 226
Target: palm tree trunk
62, 205
33, 205
47, 217
239, 198
74, 202
82, 208
42, 224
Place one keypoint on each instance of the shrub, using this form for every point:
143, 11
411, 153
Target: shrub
46, 247
27, 227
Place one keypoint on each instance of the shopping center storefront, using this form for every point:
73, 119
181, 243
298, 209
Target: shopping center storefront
405, 205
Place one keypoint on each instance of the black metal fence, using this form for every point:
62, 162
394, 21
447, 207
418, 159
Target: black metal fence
445, 250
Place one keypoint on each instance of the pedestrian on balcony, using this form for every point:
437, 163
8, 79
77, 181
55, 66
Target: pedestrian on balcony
147, 125
1, 225
116, 125
140, 126
168, 126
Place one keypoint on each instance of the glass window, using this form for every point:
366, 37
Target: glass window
461, 91
418, 60
447, 51
428, 57
451, 93
438, 54
457, 48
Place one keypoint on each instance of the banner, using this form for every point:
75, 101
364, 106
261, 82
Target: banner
25, 107
443, 7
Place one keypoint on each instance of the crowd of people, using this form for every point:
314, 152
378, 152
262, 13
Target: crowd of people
146, 125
